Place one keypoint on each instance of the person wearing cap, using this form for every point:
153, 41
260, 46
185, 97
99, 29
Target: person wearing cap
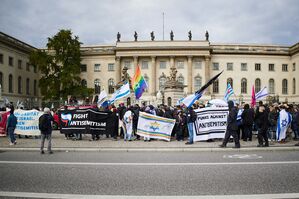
45, 126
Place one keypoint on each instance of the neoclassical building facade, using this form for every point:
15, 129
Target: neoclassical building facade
243, 66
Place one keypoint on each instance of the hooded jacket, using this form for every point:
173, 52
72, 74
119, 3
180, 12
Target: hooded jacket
232, 117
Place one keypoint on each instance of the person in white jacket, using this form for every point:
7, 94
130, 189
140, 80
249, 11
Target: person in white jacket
128, 121
283, 122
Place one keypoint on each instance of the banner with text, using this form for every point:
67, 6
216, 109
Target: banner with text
154, 126
87, 121
27, 122
210, 123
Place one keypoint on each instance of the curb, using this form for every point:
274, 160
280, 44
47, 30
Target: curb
157, 149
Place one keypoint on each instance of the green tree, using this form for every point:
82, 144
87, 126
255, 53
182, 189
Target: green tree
60, 67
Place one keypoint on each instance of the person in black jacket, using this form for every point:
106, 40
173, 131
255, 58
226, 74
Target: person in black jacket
247, 118
263, 127
232, 126
45, 126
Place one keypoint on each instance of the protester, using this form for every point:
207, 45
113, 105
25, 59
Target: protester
272, 119
11, 126
179, 125
45, 126
263, 127
128, 120
283, 123
247, 120
232, 127
191, 118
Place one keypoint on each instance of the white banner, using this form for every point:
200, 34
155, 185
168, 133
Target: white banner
154, 126
27, 122
210, 123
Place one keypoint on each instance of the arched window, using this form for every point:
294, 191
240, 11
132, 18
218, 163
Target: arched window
181, 79
35, 88
294, 86
162, 80
197, 82
1, 81
230, 81
110, 86
10, 83
27, 86
20, 85
97, 86
244, 85
216, 86
84, 83
147, 81
257, 85
285, 86
271, 86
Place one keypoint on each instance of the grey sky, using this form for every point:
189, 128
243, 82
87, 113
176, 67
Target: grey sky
98, 21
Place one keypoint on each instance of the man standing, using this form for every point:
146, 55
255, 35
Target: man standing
191, 118
232, 125
11, 126
45, 126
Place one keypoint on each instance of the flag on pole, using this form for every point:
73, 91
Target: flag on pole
101, 98
229, 91
189, 100
253, 100
120, 93
138, 83
261, 94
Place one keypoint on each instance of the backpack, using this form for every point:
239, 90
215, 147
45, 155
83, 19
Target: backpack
42, 125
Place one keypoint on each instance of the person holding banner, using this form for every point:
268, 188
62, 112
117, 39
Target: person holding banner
232, 126
11, 126
45, 126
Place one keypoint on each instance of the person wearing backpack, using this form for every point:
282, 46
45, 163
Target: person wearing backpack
11, 126
45, 126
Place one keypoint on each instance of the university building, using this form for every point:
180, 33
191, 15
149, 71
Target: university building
196, 61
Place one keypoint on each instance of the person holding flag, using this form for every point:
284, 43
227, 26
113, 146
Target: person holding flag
229, 91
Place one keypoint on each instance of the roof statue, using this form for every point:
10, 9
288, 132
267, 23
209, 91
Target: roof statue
118, 37
152, 36
190, 35
171, 35
207, 36
135, 36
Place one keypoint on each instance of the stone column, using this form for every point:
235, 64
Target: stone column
207, 72
118, 69
172, 61
190, 72
135, 63
154, 78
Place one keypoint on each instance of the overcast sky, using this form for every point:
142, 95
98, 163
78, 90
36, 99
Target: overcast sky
98, 21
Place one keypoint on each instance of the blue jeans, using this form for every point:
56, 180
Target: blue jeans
11, 131
190, 130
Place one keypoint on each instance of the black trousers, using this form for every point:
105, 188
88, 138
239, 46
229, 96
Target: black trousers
247, 132
262, 134
235, 136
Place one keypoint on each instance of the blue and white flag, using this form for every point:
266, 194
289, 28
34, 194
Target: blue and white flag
179, 101
261, 94
283, 122
189, 100
229, 91
101, 98
120, 93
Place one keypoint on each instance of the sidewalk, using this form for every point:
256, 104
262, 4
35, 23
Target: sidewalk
59, 143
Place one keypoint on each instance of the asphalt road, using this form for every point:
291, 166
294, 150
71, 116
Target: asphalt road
150, 173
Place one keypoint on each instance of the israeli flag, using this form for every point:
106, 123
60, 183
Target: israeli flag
101, 97
261, 94
189, 100
283, 122
120, 93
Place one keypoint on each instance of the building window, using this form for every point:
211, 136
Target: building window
230, 81
144, 65
271, 86
20, 85
197, 82
128, 64
162, 80
83, 68
84, 83
181, 79
284, 67
97, 67
285, 86
180, 64
27, 66
10, 61
1, 58
27, 86
230, 66
146, 78
257, 85
20, 64
35, 69
1, 81
244, 85
10, 84
216, 86
110, 67
294, 66
162, 64
243, 66
294, 86
35, 88
215, 66
197, 64
257, 67
97, 86
110, 86
271, 67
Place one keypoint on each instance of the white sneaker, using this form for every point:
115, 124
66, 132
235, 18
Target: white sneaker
10, 144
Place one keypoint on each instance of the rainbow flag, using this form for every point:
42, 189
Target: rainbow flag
138, 83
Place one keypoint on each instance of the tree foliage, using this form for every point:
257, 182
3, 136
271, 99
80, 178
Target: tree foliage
60, 67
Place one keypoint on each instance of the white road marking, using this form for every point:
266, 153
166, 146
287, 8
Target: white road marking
149, 164
75, 196
243, 156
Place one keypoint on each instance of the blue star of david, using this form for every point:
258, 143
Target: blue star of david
284, 123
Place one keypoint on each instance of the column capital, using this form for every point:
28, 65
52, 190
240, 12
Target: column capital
189, 56
153, 57
207, 58
117, 58
135, 57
